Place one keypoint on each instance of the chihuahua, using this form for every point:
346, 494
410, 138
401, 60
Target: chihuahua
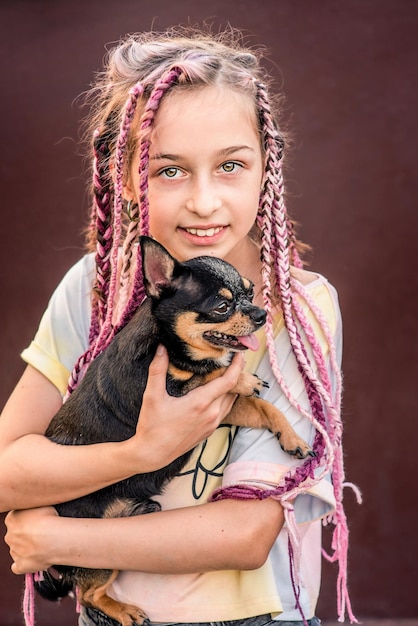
202, 312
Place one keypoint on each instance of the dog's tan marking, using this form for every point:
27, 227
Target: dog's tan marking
258, 413
226, 293
247, 385
246, 282
178, 374
253, 412
124, 507
117, 508
94, 594
238, 324
191, 332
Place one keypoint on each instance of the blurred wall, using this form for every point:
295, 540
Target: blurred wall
348, 70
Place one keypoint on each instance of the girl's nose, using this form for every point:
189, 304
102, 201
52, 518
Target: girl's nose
203, 199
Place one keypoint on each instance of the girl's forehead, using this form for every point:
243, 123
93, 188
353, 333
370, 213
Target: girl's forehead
204, 101
218, 110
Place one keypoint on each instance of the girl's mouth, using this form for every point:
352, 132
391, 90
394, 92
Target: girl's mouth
203, 235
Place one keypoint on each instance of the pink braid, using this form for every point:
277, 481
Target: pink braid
319, 316
29, 600
168, 79
275, 242
102, 213
105, 320
314, 386
100, 229
126, 260
314, 343
107, 330
278, 243
277, 238
108, 237
341, 533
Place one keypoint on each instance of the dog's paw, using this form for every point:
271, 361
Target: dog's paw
143, 507
295, 446
259, 385
250, 385
130, 615
124, 614
151, 506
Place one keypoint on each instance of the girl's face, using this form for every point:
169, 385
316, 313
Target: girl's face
205, 174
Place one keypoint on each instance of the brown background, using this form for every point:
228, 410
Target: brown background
349, 72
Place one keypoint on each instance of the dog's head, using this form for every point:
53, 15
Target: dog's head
203, 306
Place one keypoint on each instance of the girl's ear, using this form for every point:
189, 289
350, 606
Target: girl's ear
128, 188
128, 192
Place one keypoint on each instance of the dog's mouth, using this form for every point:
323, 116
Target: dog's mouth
244, 342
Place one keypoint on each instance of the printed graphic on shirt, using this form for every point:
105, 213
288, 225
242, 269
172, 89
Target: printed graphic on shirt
207, 465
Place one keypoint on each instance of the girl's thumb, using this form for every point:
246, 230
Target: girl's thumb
159, 364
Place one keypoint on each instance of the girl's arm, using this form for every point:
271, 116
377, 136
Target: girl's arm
36, 472
228, 534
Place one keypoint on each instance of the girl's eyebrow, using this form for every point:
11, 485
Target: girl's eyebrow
220, 153
168, 157
232, 149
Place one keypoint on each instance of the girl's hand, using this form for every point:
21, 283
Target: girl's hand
168, 427
28, 538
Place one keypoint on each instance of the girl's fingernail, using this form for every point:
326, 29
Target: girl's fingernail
160, 350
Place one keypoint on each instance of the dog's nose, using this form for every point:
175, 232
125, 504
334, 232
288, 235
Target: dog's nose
257, 315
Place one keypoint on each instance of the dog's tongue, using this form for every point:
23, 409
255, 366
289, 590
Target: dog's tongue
249, 341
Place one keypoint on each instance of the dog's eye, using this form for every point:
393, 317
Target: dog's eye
222, 308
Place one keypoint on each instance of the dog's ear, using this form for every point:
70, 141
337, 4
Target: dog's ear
159, 268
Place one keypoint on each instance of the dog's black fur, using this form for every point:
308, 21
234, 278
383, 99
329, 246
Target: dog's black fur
202, 312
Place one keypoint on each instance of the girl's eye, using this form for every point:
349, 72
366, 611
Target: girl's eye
230, 166
170, 172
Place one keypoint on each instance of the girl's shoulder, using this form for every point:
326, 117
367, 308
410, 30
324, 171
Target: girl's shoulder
311, 282
83, 269
306, 277
318, 297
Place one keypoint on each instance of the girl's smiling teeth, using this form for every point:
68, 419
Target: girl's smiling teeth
204, 232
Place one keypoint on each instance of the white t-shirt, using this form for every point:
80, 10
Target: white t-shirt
228, 457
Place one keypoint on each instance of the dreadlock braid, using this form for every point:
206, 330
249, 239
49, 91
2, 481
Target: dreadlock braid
127, 255
101, 222
122, 166
274, 245
326, 444
279, 240
107, 329
99, 231
324, 326
167, 80
272, 242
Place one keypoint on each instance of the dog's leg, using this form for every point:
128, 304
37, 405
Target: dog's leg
258, 413
92, 592
247, 385
254, 412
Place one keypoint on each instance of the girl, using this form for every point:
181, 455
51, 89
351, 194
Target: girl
187, 149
